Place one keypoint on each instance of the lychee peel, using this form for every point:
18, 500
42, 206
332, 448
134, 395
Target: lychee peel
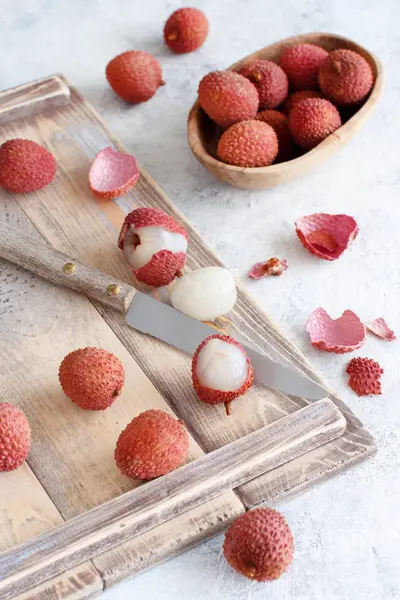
248, 144
342, 335
152, 444
345, 77
228, 97
280, 124
135, 76
221, 370
15, 437
365, 375
92, 377
312, 120
270, 80
113, 173
25, 166
301, 63
186, 30
259, 544
154, 245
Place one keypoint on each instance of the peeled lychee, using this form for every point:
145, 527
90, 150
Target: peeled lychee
228, 97
312, 120
297, 97
301, 63
25, 166
259, 544
221, 370
270, 80
134, 75
280, 124
91, 377
153, 444
15, 437
186, 30
248, 144
113, 173
154, 245
345, 77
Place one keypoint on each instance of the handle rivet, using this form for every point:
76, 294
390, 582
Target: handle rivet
69, 268
113, 289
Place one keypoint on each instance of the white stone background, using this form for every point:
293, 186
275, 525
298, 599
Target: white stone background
347, 531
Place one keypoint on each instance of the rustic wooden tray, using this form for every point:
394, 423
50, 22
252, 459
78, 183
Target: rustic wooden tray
71, 468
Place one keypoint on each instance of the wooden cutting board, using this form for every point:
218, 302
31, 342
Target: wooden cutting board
71, 467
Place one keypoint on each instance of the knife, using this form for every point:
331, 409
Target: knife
142, 312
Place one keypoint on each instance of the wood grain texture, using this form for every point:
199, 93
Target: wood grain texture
177, 492
202, 131
81, 583
33, 98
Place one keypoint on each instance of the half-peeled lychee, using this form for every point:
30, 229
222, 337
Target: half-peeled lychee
113, 173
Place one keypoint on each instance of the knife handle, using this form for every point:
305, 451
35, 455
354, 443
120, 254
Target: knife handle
45, 261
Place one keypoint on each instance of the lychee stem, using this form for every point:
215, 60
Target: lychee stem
179, 274
251, 570
256, 76
228, 408
162, 82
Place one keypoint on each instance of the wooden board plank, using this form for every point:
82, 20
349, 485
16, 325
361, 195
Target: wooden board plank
72, 220
80, 583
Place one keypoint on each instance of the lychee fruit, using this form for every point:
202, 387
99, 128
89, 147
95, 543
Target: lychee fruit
259, 544
228, 97
270, 80
92, 378
221, 370
301, 63
296, 97
135, 76
113, 173
151, 445
15, 437
25, 166
312, 120
186, 30
154, 245
280, 124
248, 144
345, 77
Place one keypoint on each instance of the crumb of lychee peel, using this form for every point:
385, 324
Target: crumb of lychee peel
273, 266
365, 375
25, 166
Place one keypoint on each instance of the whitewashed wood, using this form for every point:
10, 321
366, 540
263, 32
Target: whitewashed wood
201, 130
162, 499
79, 583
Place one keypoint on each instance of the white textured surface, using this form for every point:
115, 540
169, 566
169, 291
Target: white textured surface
347, 531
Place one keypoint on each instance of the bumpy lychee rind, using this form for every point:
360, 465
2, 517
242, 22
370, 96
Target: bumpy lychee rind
25, 166
259, 544
153, 444
134, 76
210, 395
186, 30
228, 97
365, 375
91, 377
297, 97
248, 144
312, 120
345, 77
165, 265
15, 437
301, 63
280, 124
270, 80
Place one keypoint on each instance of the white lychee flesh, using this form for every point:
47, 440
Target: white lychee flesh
141, 244
205, 294
221, 366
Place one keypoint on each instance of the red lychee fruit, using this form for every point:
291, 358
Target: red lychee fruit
15, 437
259, 544
248, 144
280, 124
345, 77
154, 245
186, 30
113, 173
301, 63
135, 76
312, 120
228, 97
25, 166
92, 378
153, 444
221, 370
297, 97
270, 80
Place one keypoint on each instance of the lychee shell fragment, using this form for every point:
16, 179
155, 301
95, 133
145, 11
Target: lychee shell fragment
326, 236
113, 173
365, 375
380, 328
345, 334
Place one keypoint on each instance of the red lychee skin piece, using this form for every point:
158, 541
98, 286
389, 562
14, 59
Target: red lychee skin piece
91, 377
152, 444
25, 166
122, 189
270, 80
259, 544
165, 265
209, 395
186, 30
15, 437
326, 236
301, 63
365, 375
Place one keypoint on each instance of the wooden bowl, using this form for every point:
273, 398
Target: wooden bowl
203, 133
